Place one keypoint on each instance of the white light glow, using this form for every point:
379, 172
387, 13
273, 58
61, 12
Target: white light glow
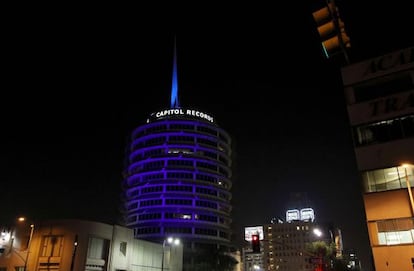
317, 232
173, 241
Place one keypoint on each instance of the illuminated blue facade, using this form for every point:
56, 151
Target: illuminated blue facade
178, 179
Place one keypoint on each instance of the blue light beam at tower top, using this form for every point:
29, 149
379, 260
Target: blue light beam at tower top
174, 87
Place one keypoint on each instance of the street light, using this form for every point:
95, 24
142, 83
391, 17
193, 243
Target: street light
317, 232
21, 219
319, 255
170, 241
75, 246
410, 194
324, 249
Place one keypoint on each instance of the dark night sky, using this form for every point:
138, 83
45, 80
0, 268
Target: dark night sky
75, 84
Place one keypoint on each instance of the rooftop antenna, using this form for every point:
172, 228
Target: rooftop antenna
174, 87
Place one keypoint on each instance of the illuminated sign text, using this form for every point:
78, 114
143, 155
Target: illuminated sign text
183, 112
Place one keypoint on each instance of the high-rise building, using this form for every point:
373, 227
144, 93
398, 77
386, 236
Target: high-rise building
178, 179
287, 245
380, 102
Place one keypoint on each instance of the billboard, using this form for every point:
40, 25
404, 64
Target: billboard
305, 214
293, 214
248, 231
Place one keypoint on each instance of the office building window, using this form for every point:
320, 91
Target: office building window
384, 131
51, 246
395, 231
123, 248
98, 248
387, 179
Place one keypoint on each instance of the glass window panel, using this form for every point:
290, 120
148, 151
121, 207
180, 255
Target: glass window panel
396, 231
381, 238
368, 181
394, 129
408, 125
406, 172
364, 135
395, 184
52, 246
381, 132
392, 238
392, 178
387, 179
96, 248
380, 182
406, 237
384, 131
123, 248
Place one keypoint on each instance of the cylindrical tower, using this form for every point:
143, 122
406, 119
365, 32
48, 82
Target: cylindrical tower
178, 179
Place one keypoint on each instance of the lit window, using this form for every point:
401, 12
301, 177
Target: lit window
395, 231
123, 248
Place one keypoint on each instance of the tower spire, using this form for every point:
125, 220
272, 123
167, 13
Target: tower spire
174, 87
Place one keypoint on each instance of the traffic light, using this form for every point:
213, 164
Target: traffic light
255, 243
331, 29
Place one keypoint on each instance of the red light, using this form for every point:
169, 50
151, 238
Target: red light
255, 243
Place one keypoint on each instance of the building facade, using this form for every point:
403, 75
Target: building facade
290, 245
283, 246
379, 96
177, 181
78, 245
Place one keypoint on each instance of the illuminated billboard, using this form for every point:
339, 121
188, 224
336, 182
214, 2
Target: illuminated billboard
180, 112
248, 231
305, 214
293, 214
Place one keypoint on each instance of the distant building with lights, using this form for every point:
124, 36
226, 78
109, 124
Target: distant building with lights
283, 246
379, 96
284, 243
177, 179
251, 260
